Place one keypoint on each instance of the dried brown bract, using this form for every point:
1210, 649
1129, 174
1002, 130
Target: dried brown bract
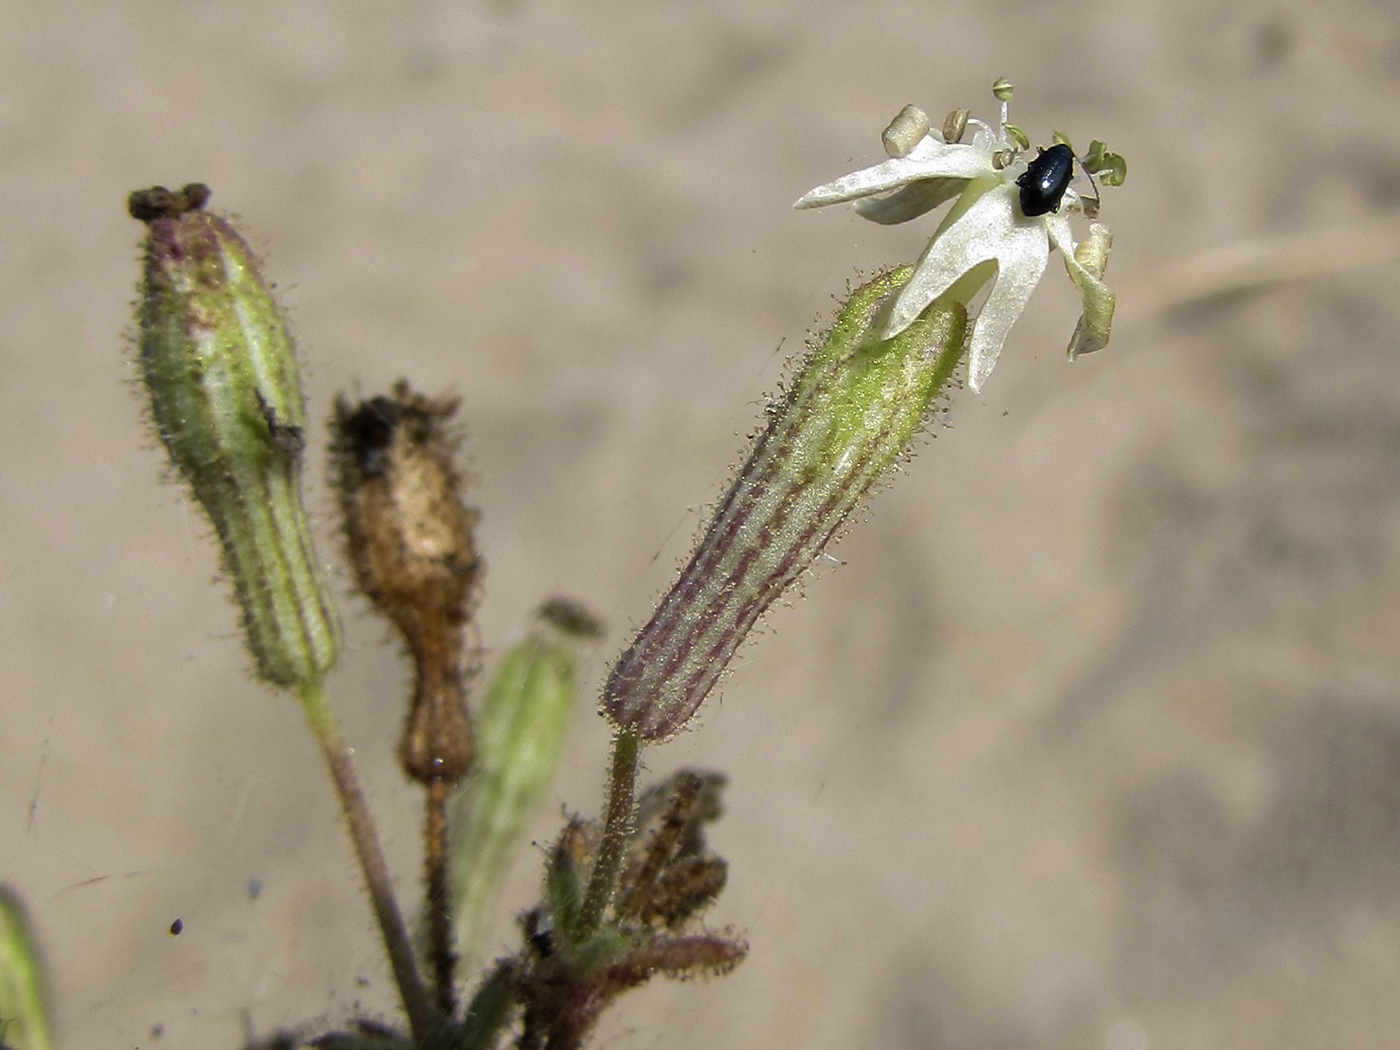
566, 975
669, 875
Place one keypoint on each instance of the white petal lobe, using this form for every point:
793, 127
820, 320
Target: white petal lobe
929, 159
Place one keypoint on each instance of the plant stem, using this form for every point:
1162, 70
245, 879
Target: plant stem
622, 781
439, 915
423, 1018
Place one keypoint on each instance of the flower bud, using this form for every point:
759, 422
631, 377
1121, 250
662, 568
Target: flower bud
226, 400
853, 408
520, 731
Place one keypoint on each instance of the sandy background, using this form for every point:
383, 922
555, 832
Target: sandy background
1094, 742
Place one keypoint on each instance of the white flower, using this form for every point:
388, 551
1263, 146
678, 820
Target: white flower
985, 236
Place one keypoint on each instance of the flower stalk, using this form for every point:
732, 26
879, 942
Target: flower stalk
424, 1020
622, 896
617, 824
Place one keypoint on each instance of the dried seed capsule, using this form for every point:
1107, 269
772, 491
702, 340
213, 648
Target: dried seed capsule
853, 408
410, 538
226, 399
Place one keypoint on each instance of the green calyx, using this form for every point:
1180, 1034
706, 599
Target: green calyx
854, 407
226, 400
859, 403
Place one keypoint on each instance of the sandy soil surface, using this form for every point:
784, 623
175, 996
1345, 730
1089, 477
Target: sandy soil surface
1094, 741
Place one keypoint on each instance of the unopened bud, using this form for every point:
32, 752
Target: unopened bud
563, 877
520, 731
226, 399
853, 409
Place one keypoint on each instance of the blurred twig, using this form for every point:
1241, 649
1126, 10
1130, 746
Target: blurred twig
1259, 264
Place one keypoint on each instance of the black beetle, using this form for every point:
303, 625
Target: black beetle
1045, 180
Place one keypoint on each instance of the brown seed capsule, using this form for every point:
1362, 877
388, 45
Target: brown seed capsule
410, 538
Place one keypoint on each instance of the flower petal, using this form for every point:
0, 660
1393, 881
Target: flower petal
1086, 264
929, 159
1020, 266
987, 230
909, 202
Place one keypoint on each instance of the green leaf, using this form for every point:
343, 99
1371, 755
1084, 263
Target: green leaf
24, 1001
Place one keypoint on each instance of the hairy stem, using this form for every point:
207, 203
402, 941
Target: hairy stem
622, 781
423, 1018
439, 916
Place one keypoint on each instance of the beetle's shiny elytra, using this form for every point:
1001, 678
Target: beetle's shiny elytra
1045, 180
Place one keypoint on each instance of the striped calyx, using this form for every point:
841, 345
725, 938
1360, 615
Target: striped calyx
226, 399
852, 411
